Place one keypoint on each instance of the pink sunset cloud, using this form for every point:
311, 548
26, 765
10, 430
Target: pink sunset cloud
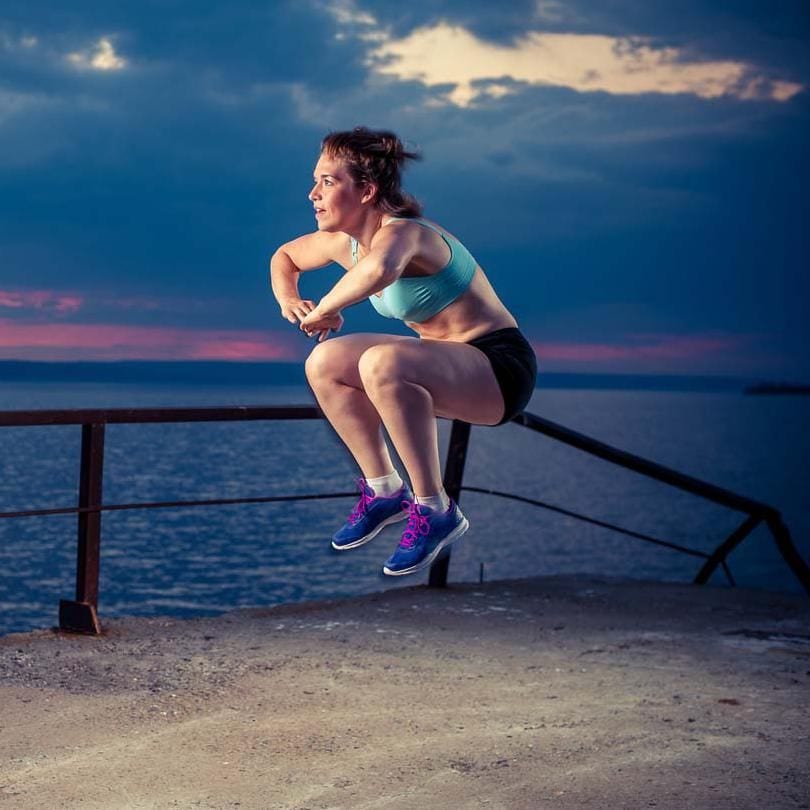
641, 347
50, 300
72, 341
59, 341
64, 302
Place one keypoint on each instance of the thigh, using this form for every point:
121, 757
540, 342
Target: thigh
337, 358
458, 376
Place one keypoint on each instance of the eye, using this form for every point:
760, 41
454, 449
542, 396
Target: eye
327, 182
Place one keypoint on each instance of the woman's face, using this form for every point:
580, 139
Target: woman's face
337, 199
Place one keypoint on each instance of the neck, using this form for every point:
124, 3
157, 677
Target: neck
365, 229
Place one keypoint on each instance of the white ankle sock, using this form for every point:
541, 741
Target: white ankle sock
386, 484
440, 502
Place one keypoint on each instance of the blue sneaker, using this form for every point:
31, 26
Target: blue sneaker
371, 515
427, 533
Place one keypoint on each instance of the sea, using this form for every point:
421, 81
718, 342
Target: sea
206, 560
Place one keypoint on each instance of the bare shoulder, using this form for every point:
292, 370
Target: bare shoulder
317, 249
423, 242
398, 232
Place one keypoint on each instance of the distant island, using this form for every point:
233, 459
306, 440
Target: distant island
777, 388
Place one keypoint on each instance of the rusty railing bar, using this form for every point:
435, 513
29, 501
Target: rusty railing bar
642, 465
453, 474
719, 555
82, 613
596, 522
789, 552
454, 470
235, 413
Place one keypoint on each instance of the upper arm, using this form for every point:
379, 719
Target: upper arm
393, 248
314, 250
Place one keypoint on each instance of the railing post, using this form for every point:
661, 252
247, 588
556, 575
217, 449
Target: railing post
718, 556
82, 613
453, 473
781, 536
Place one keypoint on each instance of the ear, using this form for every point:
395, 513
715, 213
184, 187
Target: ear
369, 193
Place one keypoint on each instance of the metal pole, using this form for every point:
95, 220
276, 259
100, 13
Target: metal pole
719, 555
781, 536
453, 474
81, 614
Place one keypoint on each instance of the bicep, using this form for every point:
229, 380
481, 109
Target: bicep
314, 250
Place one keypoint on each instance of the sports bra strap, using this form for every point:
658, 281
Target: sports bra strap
418, 221
433, 228
355, 245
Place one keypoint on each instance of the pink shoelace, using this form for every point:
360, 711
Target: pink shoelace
418, 524
361, 507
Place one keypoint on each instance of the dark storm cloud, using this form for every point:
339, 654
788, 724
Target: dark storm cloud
174, 177
163, 165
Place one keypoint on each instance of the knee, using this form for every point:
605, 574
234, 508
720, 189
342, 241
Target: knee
380, 365
322, 361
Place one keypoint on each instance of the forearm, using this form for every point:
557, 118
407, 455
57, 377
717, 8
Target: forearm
283, 277
365, 279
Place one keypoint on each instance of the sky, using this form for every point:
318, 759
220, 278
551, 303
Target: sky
631, 176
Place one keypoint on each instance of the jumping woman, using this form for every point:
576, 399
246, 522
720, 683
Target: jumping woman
469, 362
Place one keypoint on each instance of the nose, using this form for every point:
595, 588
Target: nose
315, 193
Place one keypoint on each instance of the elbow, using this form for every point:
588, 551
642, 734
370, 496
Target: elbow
277, 257
281, 262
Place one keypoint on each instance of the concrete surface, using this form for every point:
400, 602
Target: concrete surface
559, 692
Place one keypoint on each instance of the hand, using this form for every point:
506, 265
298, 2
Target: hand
317, 322
296, 309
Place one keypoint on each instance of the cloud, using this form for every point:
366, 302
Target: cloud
641, 347
346, 13
41, 305
101, 56
64, 342
46, 300
475, 69
549, 10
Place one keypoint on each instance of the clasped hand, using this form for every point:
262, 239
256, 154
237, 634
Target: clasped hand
310, 318
317, 322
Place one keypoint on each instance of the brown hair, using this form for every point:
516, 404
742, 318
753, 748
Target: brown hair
375, 156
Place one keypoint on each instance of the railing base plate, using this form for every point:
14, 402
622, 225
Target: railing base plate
78, 617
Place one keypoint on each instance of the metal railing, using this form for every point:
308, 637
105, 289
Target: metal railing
81, 613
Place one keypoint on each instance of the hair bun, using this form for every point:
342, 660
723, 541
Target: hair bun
392, 146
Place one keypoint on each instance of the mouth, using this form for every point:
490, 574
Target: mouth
319, 211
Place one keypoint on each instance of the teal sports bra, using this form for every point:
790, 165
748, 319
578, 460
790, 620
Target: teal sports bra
418, 298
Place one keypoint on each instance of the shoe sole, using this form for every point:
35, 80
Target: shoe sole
369, 537
451, 538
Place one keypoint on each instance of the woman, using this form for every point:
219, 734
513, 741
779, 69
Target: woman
469, 361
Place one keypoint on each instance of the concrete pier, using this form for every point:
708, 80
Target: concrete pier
557, 692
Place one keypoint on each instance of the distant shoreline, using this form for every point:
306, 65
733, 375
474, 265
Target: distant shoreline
777, 388
292, 374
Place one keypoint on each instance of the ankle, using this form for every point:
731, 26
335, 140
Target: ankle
385, 485
438, 502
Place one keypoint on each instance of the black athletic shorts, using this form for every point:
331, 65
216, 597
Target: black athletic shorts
514, 364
